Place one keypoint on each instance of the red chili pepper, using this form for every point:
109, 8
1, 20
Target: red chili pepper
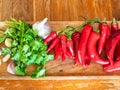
114, 25
117, 52
111, 44
115, 67
76, 37
63, 45
70, 48
53, 44
91, 48
105, 33
57, 50
88, 59
51, 37
83, 43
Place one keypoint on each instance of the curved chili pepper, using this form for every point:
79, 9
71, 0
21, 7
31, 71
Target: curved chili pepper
70, 48
114, 25
117, 52
105, 33
83, 43
91, 48
114, 28
111, 44
115, 67
63, 45
76, 37
51, 37
53, 44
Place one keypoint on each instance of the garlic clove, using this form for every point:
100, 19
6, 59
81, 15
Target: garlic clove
6, 58
11, 67
8, 42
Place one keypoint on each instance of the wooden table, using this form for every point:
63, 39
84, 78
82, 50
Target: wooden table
62, 75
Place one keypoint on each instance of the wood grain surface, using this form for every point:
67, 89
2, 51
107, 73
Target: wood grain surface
59, 10
62, 75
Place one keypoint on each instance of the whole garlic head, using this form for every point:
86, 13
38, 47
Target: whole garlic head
43, 27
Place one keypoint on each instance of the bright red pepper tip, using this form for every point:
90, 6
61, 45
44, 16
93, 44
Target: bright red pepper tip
115, 67
53, 44
51, 37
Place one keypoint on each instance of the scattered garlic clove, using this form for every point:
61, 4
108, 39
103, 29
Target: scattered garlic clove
11, 67
43, 27
8, 42
6, 58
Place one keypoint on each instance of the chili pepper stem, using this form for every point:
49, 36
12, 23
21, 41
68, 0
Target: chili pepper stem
114, 21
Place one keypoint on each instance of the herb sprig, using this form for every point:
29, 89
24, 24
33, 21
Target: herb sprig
27, 48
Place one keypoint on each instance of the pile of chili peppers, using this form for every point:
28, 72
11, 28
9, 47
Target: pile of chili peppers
83, 44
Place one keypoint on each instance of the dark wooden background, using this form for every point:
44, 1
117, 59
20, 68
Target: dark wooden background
58, 10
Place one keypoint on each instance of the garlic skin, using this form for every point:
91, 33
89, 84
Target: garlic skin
43, 27
11, 67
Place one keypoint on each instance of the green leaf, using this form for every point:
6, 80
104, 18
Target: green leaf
2, 39
16, 57
32, 59
20, 71
38, 73
47, 58
28, 37
35, 32
6, 51
25, 48
14, 43
39, 60
10, 32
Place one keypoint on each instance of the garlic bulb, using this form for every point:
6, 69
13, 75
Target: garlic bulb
11, 67
43, 27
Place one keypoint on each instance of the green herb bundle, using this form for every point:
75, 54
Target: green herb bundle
27, 48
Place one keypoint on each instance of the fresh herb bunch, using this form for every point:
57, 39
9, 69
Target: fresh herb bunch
26, 48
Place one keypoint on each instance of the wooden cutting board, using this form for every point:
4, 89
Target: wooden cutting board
62, 75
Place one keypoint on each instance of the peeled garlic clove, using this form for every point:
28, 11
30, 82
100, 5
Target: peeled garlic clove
6, 58
11, 67
8, 42
43, 27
